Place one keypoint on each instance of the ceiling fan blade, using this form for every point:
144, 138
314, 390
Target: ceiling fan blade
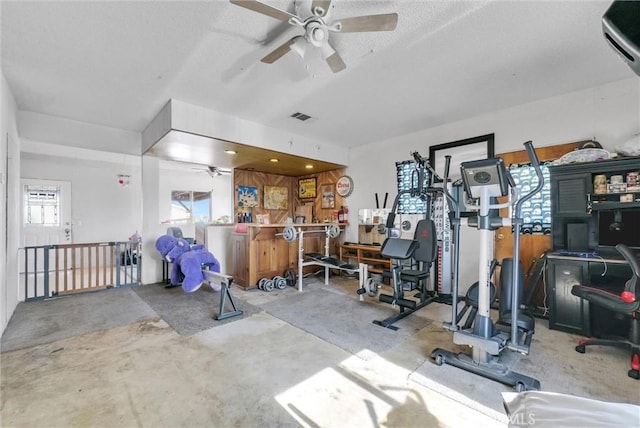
323, 5
265, 9
357, 24
333, 58
279, 51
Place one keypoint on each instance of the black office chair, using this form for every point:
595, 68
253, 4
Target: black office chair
626, 303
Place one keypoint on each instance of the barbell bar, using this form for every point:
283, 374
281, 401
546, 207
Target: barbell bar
290, 233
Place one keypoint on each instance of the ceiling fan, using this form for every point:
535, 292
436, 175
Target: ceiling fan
215, 171
314, 18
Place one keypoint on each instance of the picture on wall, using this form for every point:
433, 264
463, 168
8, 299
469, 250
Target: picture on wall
276, 198
247, 196
328, 196
307, 188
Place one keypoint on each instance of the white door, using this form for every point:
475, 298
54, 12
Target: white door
46, 212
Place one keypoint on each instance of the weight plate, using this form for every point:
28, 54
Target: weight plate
268, 285
280, 282
290, 276
371, 287
333, 231
289, 233
261, 283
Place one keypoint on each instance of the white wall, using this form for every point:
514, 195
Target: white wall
101, 209
10, 200
65, 132
609, 113
151, 227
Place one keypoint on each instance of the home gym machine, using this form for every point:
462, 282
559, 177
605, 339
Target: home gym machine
412, 258
487, 179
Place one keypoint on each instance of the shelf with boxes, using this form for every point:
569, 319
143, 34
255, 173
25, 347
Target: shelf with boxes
614, 190
368, 254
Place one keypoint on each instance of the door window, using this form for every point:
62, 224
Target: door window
42, 206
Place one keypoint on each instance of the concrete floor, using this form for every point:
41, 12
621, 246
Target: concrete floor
254, 372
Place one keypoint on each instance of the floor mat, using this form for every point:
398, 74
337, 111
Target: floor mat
344, 321
190, 313
45, 321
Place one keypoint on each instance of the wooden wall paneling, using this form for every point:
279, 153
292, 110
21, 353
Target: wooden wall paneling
260, 180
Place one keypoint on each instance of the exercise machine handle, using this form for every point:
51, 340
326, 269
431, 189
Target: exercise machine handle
514, 344
453, 326
535, 163
445, 187
447, 165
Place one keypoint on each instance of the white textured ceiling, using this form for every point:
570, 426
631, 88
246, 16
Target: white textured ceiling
117, 63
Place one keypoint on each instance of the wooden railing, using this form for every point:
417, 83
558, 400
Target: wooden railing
54, 270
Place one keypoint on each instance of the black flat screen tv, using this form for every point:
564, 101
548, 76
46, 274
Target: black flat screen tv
619, 227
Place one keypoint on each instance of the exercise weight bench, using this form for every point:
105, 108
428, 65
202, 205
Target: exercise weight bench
318, 259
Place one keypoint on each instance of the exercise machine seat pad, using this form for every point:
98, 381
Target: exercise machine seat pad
398, 248
426, 235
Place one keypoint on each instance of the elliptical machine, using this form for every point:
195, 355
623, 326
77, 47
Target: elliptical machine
488, 179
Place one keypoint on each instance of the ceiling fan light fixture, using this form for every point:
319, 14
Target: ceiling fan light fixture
317, 34
299, 46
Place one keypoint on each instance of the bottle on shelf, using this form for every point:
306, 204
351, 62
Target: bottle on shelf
345, 214
341, 215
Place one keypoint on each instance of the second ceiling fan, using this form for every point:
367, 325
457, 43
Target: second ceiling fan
314, 17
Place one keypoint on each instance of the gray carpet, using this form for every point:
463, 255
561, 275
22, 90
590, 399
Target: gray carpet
344, 321
45, 321
190, 313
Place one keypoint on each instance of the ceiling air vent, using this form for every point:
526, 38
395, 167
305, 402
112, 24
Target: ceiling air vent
301, 116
